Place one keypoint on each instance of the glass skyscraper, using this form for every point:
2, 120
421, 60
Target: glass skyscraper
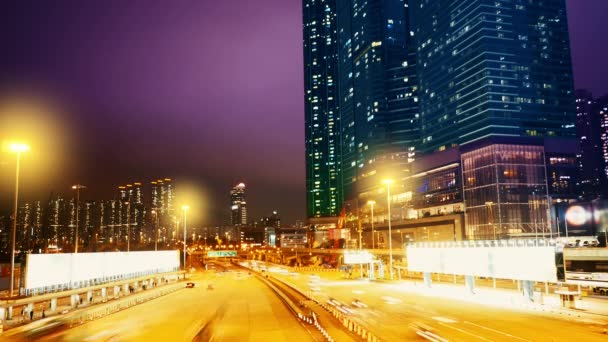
323, 170
377, 89
492, 68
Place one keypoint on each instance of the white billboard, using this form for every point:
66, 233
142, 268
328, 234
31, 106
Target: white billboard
56, 269
357, 257
520, 263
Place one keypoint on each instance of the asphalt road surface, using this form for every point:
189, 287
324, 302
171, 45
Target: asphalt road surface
395, 315
239, 308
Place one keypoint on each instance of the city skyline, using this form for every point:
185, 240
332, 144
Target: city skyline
275, 126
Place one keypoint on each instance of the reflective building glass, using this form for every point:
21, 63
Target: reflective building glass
492, 68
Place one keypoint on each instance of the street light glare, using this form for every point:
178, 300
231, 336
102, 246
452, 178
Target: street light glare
18, 147
388, 181
371, 202
185, 207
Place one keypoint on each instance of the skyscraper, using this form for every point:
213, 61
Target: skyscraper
492, 68
592, 133
323, 164
361, 97
603, 102
238, 205
377, 89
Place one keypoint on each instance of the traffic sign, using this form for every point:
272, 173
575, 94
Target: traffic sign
220, 254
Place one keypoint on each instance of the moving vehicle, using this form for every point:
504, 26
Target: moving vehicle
189, 285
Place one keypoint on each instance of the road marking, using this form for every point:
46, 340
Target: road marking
444, 320
426, 337
465, 332
438, 338
497, 331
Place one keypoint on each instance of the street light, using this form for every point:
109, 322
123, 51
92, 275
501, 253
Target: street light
185, 209
372, 203
16, 148
77, 187
388, 183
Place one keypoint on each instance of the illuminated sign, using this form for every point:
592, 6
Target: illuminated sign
60, 269
357, 257
520, 263
221, 254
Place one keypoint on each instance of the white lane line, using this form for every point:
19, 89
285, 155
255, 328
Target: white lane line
497, 331
444, 319
426, 337
439, 338
465, 332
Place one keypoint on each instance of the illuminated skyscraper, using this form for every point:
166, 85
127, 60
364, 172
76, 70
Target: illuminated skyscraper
592, 129
323, 163
492, 68
238, 205
377, 90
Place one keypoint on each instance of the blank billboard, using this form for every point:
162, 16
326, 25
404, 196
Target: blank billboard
521, 263
55, 269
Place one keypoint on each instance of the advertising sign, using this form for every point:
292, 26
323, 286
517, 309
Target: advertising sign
357, 257
57, 269
520, 263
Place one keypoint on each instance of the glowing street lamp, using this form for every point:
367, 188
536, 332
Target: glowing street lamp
16, 148
185, 209
77, 187
372, 203
388, 183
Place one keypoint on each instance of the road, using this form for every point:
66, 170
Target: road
239, 308
395, 313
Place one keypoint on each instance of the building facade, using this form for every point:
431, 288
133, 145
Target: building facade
377, 90
322, 122
592, 134
238, 205
492, 68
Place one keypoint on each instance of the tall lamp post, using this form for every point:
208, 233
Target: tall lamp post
77, 187
16, 148
372, 203
388, 183
185, 209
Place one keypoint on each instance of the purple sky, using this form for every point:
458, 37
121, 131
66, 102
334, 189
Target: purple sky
206, 90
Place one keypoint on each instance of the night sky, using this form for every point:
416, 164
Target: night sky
208, 91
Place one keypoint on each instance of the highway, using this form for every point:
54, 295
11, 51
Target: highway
239, 308
394, 313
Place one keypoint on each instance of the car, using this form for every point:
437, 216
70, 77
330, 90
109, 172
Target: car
189, 285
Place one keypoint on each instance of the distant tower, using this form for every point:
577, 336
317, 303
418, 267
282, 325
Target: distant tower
238, 205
